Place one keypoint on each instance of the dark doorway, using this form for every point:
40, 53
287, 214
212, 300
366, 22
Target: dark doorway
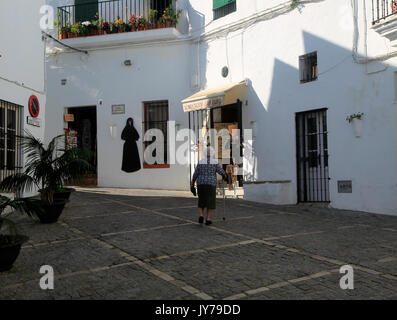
312, 156
85, 125
85, 10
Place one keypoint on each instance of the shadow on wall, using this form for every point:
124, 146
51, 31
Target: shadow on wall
342, 86
344, 89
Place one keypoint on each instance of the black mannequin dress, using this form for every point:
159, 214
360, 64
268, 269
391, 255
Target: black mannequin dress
131, 160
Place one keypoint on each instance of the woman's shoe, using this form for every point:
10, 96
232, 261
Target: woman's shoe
201, 219
208, 222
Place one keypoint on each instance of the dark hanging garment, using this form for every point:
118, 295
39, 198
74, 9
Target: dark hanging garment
131, 160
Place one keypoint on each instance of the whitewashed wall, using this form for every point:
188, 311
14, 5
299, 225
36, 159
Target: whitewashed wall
157, 73
22, 57
267, 53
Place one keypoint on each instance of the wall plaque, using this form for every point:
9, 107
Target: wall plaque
36, 122
118, 109
345, 186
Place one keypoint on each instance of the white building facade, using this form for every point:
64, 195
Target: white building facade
291, 72
22, 79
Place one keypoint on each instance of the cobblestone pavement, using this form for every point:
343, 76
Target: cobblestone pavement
125, 244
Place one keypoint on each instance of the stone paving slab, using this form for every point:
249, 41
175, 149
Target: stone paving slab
73, 210
227, 271
140, 244
366, 286
236, 211
152, 202
126, 282
166, 241
38, 232
64, 257
358, 245
126, 221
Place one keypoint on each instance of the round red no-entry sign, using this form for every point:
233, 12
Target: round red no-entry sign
34, 106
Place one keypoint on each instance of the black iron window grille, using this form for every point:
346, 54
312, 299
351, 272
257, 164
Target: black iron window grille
308, 70
223, 8
382, 9
156, 117
10, 149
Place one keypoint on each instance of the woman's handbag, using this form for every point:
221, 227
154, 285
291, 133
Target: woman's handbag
193, 190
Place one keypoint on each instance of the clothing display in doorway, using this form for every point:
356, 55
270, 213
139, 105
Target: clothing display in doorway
131, 160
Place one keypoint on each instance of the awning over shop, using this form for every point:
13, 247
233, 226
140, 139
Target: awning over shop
215, 97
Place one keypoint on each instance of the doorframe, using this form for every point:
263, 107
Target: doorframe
297, 114
66, 126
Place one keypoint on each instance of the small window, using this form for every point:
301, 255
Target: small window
156, 117
223, 7
308, 67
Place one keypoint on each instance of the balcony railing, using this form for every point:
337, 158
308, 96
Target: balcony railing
382, 9
115, 16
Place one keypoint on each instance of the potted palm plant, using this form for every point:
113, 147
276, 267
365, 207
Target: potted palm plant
48, 169
10, 240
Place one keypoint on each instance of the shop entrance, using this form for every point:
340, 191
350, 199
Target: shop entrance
227, 117
82, 133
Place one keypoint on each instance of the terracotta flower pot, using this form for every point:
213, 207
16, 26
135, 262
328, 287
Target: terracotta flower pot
62, 35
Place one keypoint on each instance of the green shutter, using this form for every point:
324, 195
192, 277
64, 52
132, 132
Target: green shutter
221, 3
85, 10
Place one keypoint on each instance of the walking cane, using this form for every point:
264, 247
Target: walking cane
224, 200
229, 181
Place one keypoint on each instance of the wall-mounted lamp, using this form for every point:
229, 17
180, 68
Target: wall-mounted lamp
113, 131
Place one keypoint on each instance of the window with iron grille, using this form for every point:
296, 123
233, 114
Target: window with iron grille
308, 70
223, 7
10, 153
156, 117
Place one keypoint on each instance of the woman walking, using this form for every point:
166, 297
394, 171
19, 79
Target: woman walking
205, 175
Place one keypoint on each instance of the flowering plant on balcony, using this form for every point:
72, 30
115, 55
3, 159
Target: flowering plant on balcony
88, 28
120, 26
170, 17
106, 27
63, 30
141, 22
77, 28
117, 25
153, 16
96, 24
133, 22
